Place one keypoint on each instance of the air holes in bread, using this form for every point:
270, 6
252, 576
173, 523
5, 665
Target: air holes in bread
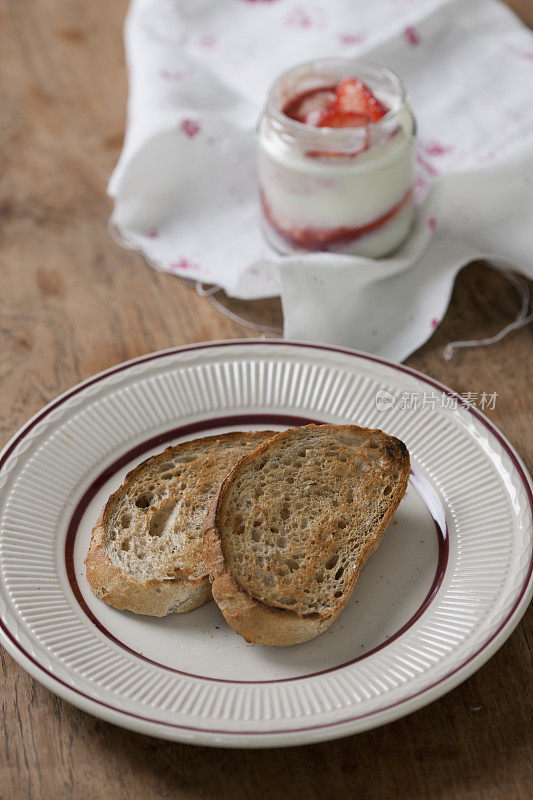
350, 440
168, 465
159, 520
144, 500
287, 601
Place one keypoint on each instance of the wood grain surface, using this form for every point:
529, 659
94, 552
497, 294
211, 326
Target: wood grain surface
73, 303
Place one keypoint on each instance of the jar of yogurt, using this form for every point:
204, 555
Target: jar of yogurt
336, 143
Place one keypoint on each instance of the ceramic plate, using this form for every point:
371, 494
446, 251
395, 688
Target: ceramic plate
444, 590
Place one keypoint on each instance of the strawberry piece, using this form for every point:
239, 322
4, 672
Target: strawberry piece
354, 97
333, 118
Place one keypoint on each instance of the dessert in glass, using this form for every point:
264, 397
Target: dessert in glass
336, 143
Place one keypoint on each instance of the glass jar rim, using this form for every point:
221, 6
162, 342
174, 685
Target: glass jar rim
297, 128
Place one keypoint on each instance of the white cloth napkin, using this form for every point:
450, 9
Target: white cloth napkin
185, 186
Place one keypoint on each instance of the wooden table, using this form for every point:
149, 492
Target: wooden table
74, 303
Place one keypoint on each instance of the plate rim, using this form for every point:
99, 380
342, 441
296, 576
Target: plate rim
288, 737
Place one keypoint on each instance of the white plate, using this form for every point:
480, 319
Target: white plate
443, 592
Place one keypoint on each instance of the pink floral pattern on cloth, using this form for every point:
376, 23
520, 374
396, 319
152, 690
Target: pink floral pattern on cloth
420, 188
412, 37
438, 149
527, 55
305, 17
190, 127
172, 75
208, 41
183, 263
351, 38
426, 166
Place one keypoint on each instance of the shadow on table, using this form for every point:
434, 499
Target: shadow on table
474, 742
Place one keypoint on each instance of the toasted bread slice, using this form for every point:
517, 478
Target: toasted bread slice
146, 553
294, 523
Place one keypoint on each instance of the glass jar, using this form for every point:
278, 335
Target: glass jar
346, 190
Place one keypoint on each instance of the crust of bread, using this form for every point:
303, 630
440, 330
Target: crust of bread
152, 597
254, 620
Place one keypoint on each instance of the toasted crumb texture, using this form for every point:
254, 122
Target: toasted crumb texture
296, 520
147, 552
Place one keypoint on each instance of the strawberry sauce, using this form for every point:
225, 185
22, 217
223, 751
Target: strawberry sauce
315, 239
